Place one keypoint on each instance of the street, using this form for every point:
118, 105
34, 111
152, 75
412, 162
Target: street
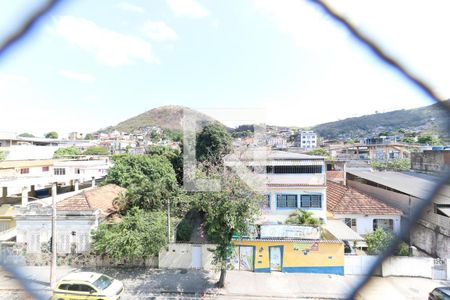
145, 283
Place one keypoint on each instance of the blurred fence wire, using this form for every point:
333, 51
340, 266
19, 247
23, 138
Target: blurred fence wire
27, 26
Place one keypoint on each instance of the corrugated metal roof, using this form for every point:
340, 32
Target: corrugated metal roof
9, 164
417, 185
303, 162
342, 231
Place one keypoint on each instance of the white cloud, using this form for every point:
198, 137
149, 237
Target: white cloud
303, 22
130, 7
159, 31
110, 48
83, 77
187, 8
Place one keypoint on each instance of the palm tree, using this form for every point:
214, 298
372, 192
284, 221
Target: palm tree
303, 217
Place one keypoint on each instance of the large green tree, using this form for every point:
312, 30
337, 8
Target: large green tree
175, 157
140, 234
232, 209
68, 151
96, 150
150, 182
213, 142
51, 135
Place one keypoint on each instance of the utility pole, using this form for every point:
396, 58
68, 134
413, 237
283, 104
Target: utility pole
410, 221
168, 220
53, 245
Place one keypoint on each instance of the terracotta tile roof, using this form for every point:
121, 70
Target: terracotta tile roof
345, 200
336, 176
101, 198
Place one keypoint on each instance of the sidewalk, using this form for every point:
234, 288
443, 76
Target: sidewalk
146, 282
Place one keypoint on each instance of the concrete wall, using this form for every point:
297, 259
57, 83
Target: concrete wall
431, 239
407, 266
430, 161
359, 265
364, 224
391, 266
179, 256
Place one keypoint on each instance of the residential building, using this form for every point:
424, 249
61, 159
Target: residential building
289, 180
359, 211
407, 191
77, 217
306, 140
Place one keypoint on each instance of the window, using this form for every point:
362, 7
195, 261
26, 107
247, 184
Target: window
350, 223
45, 169
86, 288
102, 282
60, 171
297, 169
385, 224
63, 243
311, 201
64, 286
77, 171
267, 200
286, 201
25, 171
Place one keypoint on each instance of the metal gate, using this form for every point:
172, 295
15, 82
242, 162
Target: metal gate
439, 270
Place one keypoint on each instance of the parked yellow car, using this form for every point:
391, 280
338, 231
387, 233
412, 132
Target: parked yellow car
87, 285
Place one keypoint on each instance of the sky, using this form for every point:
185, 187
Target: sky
91, 64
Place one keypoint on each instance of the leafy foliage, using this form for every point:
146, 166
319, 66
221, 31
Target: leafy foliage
213, 143
408, 140
184, 230
3, 154
173, 135
319, 152
89, 136
378, 241
140, 234
402, 250
96, 150
150, 182
52, 135
26, 134
232, 209
175, 157
303, 217
403, 164
68, 151
428, 139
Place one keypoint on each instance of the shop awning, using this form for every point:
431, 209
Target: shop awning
342, 231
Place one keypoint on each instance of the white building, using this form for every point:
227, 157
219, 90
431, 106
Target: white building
361, 212
77, 217
290, 181
306, 140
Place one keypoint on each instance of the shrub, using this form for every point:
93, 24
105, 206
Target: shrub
184, 230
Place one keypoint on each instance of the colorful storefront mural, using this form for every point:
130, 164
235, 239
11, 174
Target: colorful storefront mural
302, 256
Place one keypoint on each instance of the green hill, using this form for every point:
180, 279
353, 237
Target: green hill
165, 117
429, 119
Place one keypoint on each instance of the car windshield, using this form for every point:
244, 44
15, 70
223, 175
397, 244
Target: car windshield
102, 282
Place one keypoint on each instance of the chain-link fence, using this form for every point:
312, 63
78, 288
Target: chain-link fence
377, 51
